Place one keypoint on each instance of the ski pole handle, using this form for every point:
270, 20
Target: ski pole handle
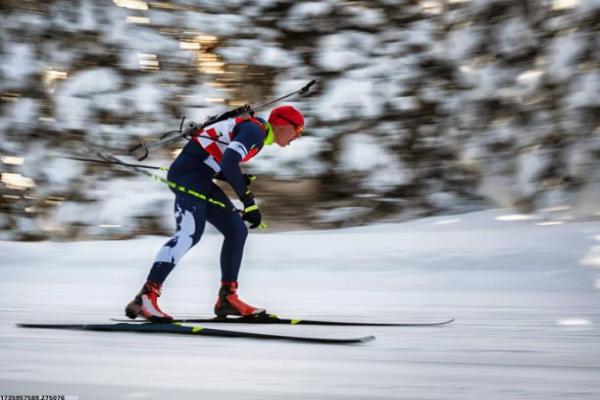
302, 91
306, 88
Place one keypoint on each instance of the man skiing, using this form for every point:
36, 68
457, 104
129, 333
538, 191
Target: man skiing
215, 152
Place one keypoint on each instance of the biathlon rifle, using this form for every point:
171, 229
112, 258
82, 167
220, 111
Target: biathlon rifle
142, 150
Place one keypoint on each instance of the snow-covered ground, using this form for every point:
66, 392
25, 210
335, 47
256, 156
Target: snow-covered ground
524, 292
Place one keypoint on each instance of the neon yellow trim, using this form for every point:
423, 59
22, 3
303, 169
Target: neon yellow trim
196, 194
296, 321
262, 226
188, 191
251, 208
213, 201
197, 329
270, 139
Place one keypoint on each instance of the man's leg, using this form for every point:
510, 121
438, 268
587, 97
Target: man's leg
231, 225
190, 215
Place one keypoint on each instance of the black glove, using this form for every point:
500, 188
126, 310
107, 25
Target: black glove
251, 212
248, 178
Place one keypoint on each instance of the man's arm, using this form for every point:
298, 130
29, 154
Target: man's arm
248, 137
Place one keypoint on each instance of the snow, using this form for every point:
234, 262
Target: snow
90, 81
257, 52
136, 38
24, 110
291, 161
462, 42
405, 103
60, 171
126, 202
498, 187
563, 55
584, 90
301, 12
146, 97
420, 33
443, 200
515, 37
586, 7
365, 17
384, 171
18, 62
87, 20
531, 164
17, 21
310, 9
486, 80
358, 150
592, 259
526, 314
345, 97
342, 214
215, 24
342, 51
587, 201
75, 96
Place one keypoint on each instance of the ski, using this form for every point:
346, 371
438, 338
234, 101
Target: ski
274, 319
149, 327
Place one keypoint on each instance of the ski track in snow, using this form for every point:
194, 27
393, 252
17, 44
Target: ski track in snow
526, 312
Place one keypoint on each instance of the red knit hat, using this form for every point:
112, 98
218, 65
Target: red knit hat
287, 115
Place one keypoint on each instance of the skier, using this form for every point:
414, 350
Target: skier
215, 152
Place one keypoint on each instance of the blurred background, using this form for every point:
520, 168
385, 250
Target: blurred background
421, 108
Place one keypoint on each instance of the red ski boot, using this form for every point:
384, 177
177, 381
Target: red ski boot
145, 305
228, 302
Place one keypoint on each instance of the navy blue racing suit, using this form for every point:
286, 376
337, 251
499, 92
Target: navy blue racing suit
191, 213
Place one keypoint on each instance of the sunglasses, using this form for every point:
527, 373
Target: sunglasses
297, 128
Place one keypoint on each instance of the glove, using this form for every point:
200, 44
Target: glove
251, 212
248, 178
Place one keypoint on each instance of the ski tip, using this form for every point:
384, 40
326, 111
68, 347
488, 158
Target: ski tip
32, 325
45, 325
451, 320
366, 339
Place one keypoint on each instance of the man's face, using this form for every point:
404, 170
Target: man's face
284, 134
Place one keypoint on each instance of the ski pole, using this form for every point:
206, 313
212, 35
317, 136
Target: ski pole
112, 160
91, 160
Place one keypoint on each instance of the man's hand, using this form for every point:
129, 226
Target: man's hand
248, 178
251, 212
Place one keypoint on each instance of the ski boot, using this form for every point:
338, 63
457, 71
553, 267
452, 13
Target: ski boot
228, 303
145, 305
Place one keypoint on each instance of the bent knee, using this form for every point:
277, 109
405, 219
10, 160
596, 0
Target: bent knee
238, 230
